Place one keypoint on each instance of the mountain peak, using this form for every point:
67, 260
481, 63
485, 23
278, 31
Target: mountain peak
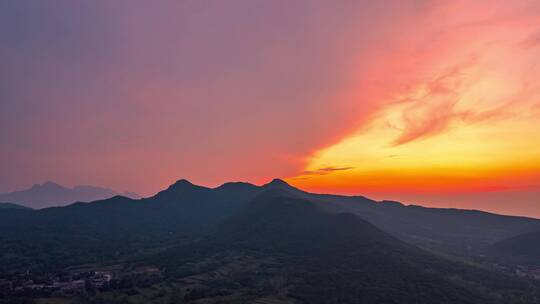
180, 186
48, 185
183, 181
278, 182
236, 186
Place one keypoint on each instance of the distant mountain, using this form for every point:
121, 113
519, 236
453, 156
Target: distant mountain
131, 195
318, 257
50, 194
522, 249
11, 206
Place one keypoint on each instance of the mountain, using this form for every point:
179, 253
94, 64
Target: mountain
273, 241
105, 228
523, 249
187, 210
318, 257
11, 206
50, 194
453, 231
131, 195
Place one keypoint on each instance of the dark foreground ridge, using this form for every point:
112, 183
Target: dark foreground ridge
241, 243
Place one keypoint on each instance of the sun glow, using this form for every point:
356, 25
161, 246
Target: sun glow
464, 128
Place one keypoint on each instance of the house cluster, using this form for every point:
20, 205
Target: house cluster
522, 271
528, 271
58, 285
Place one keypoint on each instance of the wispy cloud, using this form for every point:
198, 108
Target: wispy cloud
425, 120
326, 170
430, 110
441, 102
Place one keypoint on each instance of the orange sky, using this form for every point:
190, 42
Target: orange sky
463, 121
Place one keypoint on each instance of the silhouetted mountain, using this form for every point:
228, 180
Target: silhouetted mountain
454, 231
281, 185
184, 209
11, 206
333, 258
326, 255
50, 194
275, 220
119, 223
522, 249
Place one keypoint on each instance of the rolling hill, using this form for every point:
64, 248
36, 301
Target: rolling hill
523, 249
318, 257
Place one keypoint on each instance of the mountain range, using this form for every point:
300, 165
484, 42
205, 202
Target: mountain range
240, 243
51, 194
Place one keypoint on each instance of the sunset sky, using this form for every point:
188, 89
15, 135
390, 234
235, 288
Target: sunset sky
424, 101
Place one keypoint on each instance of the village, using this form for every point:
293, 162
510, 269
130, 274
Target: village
523, 271
28, 285
531, 272
68, 284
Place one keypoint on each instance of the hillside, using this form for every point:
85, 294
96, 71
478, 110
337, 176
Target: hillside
522, 249
312, 256
453, 231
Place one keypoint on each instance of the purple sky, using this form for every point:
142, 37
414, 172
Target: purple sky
132, 95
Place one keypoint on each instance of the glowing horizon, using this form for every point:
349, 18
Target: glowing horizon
419, 100
467, 123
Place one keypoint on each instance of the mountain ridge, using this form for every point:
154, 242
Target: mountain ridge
185, 209
331, 248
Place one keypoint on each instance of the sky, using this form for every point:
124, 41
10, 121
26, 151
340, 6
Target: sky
424, 101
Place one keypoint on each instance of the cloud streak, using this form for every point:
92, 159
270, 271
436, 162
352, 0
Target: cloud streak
325, 170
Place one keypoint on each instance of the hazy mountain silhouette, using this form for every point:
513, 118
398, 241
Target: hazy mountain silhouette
50, 194
131, 194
